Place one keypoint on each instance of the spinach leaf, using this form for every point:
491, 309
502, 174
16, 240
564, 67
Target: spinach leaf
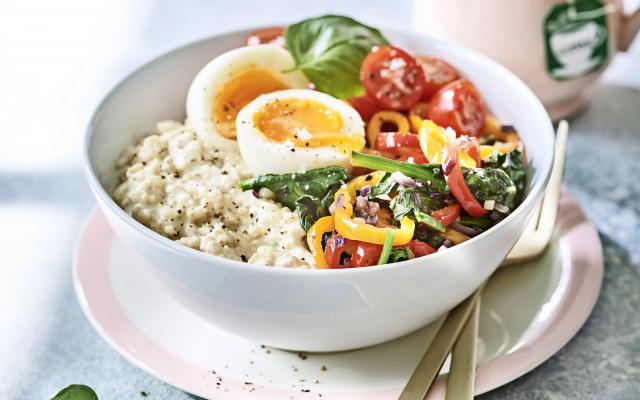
398, 255
491, 184
288, 188
384, 188
329, 51
76, 392
428, 236
483, 223
310, 209
416, 203
511, 163
308, 193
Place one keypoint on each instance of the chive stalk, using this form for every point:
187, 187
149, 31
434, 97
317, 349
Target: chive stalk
386, 248
416, 171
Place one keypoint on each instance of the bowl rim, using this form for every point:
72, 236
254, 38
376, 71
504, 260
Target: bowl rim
473, 56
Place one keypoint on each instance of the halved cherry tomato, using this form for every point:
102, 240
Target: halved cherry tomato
448, 214
358, 171
437, 73
419, 248
366, 254
458, 105
334, 251
411, 154
365, 106
392, 78
273, 35
454, 177
400, 146
345, 253
389, 141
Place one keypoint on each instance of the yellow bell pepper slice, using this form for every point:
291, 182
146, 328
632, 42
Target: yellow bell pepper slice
346, 226
314, 239
502, 148
492, 125
417, 114
375, 124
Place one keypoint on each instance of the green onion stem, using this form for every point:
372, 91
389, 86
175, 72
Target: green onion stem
386, 248
416, 171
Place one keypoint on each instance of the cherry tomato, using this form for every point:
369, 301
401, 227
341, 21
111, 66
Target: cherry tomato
392, 78
366, 254
400, 146
454, 177
334, 251
389, 141
419, 248
273, 35
365, 106
448, 214
410, 154
357, 171
437, 73
458, 105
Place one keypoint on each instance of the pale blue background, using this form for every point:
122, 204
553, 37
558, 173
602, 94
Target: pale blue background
60, 57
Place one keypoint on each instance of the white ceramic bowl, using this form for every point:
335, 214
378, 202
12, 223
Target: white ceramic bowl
312, 310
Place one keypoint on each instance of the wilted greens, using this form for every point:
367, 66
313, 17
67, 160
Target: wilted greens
308, 193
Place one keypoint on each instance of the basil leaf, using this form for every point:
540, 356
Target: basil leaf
329, 51
76, 392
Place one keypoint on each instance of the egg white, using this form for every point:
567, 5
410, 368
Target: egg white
212, 78
263, 156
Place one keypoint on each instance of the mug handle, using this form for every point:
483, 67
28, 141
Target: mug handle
629, 27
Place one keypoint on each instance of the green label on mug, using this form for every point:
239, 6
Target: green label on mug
576, 38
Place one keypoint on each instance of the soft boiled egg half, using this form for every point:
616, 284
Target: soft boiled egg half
297, 130
232, 80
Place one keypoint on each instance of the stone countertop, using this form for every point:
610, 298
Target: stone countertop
47, 343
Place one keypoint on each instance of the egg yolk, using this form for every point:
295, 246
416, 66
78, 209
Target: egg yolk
306, 123
238, 92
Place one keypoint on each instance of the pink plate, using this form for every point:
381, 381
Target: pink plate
528, 313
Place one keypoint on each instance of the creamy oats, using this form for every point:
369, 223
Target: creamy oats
176, 185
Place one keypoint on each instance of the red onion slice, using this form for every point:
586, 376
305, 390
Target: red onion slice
466, 230
402, 179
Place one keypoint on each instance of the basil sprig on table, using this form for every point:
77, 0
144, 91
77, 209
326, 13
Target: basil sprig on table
76, 392
329, 51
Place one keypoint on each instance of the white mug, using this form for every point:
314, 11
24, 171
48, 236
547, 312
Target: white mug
559, 48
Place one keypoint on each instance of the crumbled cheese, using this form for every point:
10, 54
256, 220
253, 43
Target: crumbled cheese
489, 204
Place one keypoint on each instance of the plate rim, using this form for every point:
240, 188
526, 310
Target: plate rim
555, 333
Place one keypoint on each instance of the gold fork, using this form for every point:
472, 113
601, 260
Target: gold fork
459, 330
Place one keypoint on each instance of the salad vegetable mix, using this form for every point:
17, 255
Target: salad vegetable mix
437, 170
